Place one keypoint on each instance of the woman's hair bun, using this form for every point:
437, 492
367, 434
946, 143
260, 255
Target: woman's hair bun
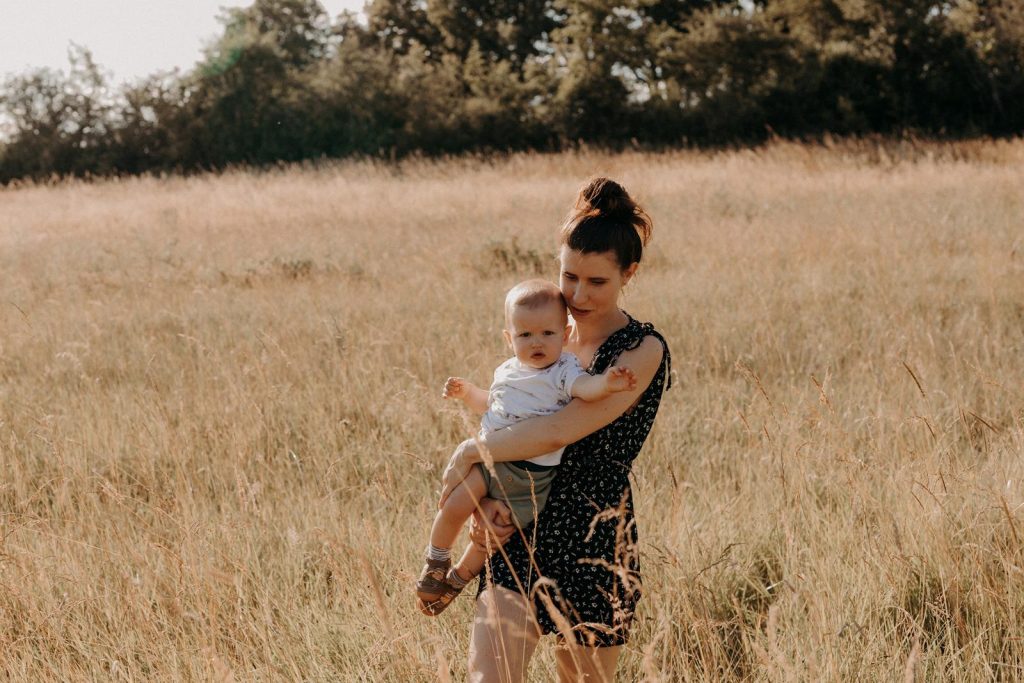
605, 218
606, 198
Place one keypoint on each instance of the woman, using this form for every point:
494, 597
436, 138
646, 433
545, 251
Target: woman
575, 572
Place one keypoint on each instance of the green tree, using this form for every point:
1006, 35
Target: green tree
507, 31
153, 129
397, 25
597, 63
299, 30
995, 32
59, 121
352, 117
250, 93
444, 76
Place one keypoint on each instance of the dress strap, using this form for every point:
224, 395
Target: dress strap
629, 338
647, 330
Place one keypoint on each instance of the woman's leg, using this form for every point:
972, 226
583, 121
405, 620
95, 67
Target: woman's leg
578, 664
504, 636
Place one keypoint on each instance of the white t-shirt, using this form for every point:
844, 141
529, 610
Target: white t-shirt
519, 392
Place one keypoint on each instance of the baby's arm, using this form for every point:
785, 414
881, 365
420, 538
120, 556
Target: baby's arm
595, 387
473, 396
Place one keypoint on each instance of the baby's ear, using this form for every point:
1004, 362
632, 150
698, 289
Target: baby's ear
565, 335
508, 337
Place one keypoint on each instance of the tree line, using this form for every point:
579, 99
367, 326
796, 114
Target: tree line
285, 82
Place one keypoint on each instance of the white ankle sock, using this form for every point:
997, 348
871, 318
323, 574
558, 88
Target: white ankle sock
457, 581
438, 553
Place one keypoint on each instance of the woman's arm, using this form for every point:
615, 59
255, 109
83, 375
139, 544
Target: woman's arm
539, 435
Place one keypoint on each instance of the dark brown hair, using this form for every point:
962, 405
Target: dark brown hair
605, 218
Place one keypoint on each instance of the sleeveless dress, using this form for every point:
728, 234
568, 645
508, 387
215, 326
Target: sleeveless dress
580, 561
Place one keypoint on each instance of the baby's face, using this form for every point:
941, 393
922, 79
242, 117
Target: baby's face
537, 335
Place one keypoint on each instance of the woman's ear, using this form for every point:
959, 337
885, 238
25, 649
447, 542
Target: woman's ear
628, 273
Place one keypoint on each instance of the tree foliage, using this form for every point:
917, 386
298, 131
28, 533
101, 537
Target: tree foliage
285, 82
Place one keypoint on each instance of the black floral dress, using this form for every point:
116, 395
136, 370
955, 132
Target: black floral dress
584, 573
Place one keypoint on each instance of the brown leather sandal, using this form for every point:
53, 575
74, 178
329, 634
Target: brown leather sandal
433, 591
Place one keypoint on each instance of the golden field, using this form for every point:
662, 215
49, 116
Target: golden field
222, 434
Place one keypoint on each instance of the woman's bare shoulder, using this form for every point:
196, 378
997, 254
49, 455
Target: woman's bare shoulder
645, 358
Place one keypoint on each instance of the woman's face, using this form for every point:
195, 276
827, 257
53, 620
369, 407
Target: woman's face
591, 283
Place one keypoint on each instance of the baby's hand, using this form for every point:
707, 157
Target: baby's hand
620, 378
455, 387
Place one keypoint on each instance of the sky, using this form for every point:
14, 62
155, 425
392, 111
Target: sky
128, 38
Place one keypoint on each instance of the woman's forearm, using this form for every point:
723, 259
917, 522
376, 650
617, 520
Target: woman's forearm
539, 435
523, 440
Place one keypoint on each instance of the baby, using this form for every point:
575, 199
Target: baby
539, 380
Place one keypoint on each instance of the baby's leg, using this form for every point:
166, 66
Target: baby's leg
475, 556
457, 509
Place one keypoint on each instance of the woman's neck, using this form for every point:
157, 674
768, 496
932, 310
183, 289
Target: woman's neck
588, 331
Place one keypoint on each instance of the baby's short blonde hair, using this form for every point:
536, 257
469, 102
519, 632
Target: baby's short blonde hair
533, 293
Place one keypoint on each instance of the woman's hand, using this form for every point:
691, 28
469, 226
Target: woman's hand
491, 525
458, 469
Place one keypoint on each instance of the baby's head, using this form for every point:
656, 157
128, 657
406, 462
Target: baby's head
536, 322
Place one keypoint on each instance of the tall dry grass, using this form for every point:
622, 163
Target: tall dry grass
222, 435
